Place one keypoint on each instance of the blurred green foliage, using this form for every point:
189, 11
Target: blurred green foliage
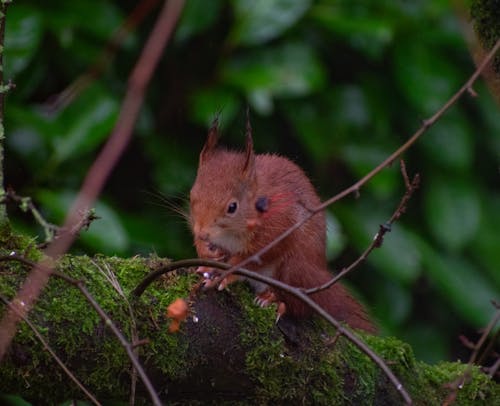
334, 85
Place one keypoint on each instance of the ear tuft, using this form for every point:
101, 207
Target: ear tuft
212, 139
249, 166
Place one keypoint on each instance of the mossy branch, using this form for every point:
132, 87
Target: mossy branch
228, 350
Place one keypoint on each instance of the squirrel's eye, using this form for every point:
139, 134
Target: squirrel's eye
232, 207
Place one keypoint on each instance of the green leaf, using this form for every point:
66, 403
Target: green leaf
462, 284
175, 168
392, 303
197, 16
325, 122
287, 70
428, 342
258, 21
23, 32
85, 123
449, 143
335, 240
106, 234
70, 18
452, 211
13, 400
426, 78
363, 158
30, 133
362, 30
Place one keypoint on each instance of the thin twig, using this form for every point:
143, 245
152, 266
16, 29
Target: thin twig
51, 352
52, 232
26, 204
297, 292
129, 348
113, 281
494, 368
476, 348
379, 237
489, 328
172, 266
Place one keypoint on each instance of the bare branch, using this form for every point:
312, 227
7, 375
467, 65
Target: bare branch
113, 281
379, 237
476, 348
494, 368
51, 231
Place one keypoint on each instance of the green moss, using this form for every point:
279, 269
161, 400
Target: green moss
62, 308
283, 373
486, 19
476, 388
10, 242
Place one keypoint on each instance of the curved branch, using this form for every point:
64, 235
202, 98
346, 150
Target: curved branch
297, 292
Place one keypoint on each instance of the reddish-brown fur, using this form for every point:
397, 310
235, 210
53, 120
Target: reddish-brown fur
225, 177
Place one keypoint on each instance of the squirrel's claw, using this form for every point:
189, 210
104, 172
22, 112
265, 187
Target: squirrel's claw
265, 298
227, 281
280, 311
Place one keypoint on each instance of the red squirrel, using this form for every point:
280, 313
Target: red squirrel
241, 201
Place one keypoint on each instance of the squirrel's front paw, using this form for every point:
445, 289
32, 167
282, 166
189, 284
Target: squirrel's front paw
266, 298
209, 277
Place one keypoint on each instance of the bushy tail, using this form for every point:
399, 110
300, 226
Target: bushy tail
336, 300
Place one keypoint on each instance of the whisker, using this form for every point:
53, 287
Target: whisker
174, 204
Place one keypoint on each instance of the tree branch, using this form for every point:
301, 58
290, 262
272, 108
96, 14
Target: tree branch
297, 292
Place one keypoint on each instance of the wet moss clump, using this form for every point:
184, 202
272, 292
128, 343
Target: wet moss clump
486, 20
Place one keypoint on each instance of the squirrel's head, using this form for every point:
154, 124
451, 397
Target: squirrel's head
223, 197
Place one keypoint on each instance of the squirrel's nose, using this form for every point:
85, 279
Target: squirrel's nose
203, 236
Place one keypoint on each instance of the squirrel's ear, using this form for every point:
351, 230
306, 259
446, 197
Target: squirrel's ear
212, 139
249, 166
